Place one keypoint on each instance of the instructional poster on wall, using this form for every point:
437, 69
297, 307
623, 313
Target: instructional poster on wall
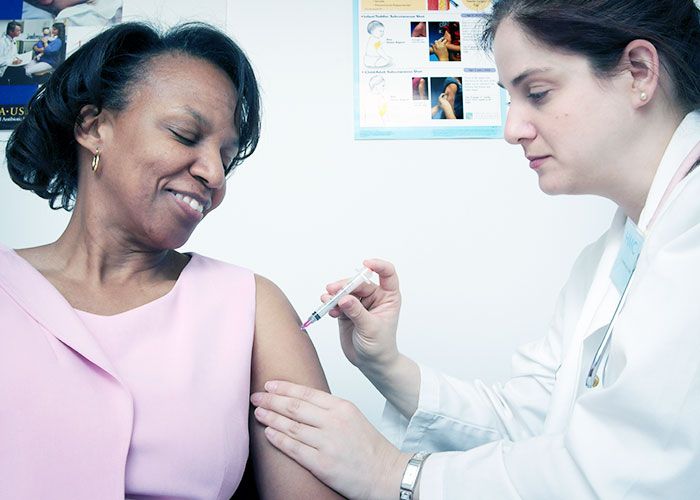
420, 72
36, 36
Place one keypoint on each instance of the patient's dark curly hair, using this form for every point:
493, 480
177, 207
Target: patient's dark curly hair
42, 151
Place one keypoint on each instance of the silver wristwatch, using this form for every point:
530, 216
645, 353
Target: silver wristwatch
410, 475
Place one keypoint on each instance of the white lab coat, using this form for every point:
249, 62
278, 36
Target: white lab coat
543, 434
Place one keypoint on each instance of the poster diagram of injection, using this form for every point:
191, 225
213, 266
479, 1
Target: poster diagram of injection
420, 72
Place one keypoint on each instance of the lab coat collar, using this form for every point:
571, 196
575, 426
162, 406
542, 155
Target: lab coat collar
43, 302
602, 297
682, 142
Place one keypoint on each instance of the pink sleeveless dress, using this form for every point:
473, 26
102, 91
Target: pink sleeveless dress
154, 406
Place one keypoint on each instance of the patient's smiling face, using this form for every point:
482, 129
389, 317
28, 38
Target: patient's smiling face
164, 156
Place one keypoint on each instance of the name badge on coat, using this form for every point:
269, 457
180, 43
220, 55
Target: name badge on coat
626, 261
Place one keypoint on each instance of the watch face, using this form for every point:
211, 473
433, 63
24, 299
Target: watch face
477, 5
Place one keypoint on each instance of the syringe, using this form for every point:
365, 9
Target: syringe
361, 277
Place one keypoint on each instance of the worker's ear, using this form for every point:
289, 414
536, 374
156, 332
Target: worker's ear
641, 60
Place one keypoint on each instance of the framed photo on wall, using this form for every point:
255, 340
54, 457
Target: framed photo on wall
35, 38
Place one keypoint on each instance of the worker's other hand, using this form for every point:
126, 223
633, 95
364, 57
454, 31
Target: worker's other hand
331, 438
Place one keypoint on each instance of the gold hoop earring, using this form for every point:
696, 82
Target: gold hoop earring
643, 96
96, 160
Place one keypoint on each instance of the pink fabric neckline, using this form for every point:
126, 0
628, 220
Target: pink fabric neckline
148, 305
193, 256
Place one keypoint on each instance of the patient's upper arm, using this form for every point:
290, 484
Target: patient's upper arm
281, 351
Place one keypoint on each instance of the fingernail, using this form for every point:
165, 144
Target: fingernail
271, 386
256, 398
260, 412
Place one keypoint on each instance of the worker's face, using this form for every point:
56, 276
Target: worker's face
16, 32
570, 123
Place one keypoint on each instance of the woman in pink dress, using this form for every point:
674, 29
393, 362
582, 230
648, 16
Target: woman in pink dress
126, 366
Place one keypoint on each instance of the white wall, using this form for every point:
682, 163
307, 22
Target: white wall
480, 251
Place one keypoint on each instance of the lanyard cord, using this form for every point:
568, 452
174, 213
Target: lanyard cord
691, 161
603, 347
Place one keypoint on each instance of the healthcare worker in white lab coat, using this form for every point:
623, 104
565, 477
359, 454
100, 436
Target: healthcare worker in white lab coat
604, 100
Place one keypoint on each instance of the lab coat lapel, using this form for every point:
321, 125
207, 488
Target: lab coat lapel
39, 299
602, 296
596, 312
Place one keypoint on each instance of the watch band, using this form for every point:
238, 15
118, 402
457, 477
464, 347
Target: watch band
410, 475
